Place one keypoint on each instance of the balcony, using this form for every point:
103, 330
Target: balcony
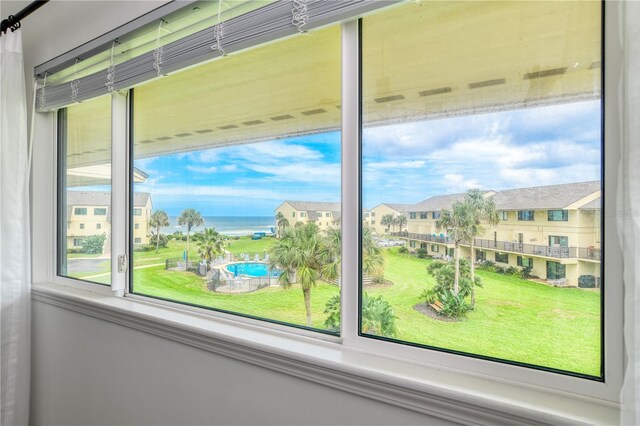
530, 249
424, 237
589, 253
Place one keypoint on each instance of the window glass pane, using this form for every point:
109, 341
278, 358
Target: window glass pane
84, 191
238, 197
488, 115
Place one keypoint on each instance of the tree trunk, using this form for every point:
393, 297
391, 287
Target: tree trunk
186, 257
157, 239
307, 304
456, 278
473, 275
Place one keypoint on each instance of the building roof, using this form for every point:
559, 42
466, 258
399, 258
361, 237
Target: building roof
438, 202
101, 198
322, 206
544, 197
402, 208
592, 205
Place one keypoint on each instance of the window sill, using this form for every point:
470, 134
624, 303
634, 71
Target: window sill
449, 395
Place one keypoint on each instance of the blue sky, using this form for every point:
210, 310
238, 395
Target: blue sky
402, 163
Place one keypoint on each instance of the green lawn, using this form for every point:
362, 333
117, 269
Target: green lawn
272, 302
514, 319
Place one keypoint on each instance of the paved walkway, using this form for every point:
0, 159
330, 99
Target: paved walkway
109, 273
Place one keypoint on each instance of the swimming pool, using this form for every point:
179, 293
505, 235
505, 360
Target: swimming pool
252, 269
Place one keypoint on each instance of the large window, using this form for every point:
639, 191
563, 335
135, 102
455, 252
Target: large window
496, 107
84, 179
242, 158
558, 215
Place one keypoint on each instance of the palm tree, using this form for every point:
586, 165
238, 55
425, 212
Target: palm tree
297, 255
330, 254
387, 220
458, 223
191, 218
210, 243
281, 222
402, 221
157, 220
483, 211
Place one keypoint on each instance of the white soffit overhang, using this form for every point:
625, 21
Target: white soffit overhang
476, 57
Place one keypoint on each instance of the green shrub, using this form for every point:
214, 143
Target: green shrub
164, 240
93, 244
403, 250
488, 266
500, 269
143, 248
586, 281
377, 316
429, 296
512, 270
526, 272
74, 250
422, 253
453, 305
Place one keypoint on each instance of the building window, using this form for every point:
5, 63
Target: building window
503, 215
373, 222
77, 242
98, 226
293, 214
319, 214
525, 262
136, 226
526, 215
137, 212
502, 257
435, 215
82, 226
481, 256
412, 244
101, 211
556, 271
558, 215
412, 215
137, 240
423, 215
373, 214
80, 211
435, 248
558, 241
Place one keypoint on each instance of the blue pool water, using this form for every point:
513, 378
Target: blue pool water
253, 269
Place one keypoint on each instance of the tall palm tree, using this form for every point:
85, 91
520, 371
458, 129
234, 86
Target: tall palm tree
281, 222
190, 218
157, 220
483, 211
458, 222
210, 243
387, 220
402, 221
297, 255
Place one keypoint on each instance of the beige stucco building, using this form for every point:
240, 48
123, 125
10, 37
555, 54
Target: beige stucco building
89, 213
324, 214
555, 229
395, 210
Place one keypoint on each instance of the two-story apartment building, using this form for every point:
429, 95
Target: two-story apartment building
89, 213
324, 214
555, 229
395, 210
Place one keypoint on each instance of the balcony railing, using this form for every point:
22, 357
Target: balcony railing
531, 249
589, 253
424, 237
514, 247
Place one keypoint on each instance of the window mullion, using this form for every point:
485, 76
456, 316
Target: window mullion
119, 155
350, 179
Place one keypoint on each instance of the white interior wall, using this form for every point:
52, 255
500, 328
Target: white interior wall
88, 372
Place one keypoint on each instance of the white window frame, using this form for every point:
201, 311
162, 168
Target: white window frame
473, 370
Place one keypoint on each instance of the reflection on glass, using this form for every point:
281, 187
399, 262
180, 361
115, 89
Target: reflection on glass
84, 197
238, 209
482, 165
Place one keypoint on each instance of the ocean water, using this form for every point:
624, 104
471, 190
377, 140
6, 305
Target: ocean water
227, 225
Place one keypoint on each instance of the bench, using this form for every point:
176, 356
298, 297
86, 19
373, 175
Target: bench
437, 306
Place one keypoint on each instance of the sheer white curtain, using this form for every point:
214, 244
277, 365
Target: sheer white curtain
15, 275
629, 219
